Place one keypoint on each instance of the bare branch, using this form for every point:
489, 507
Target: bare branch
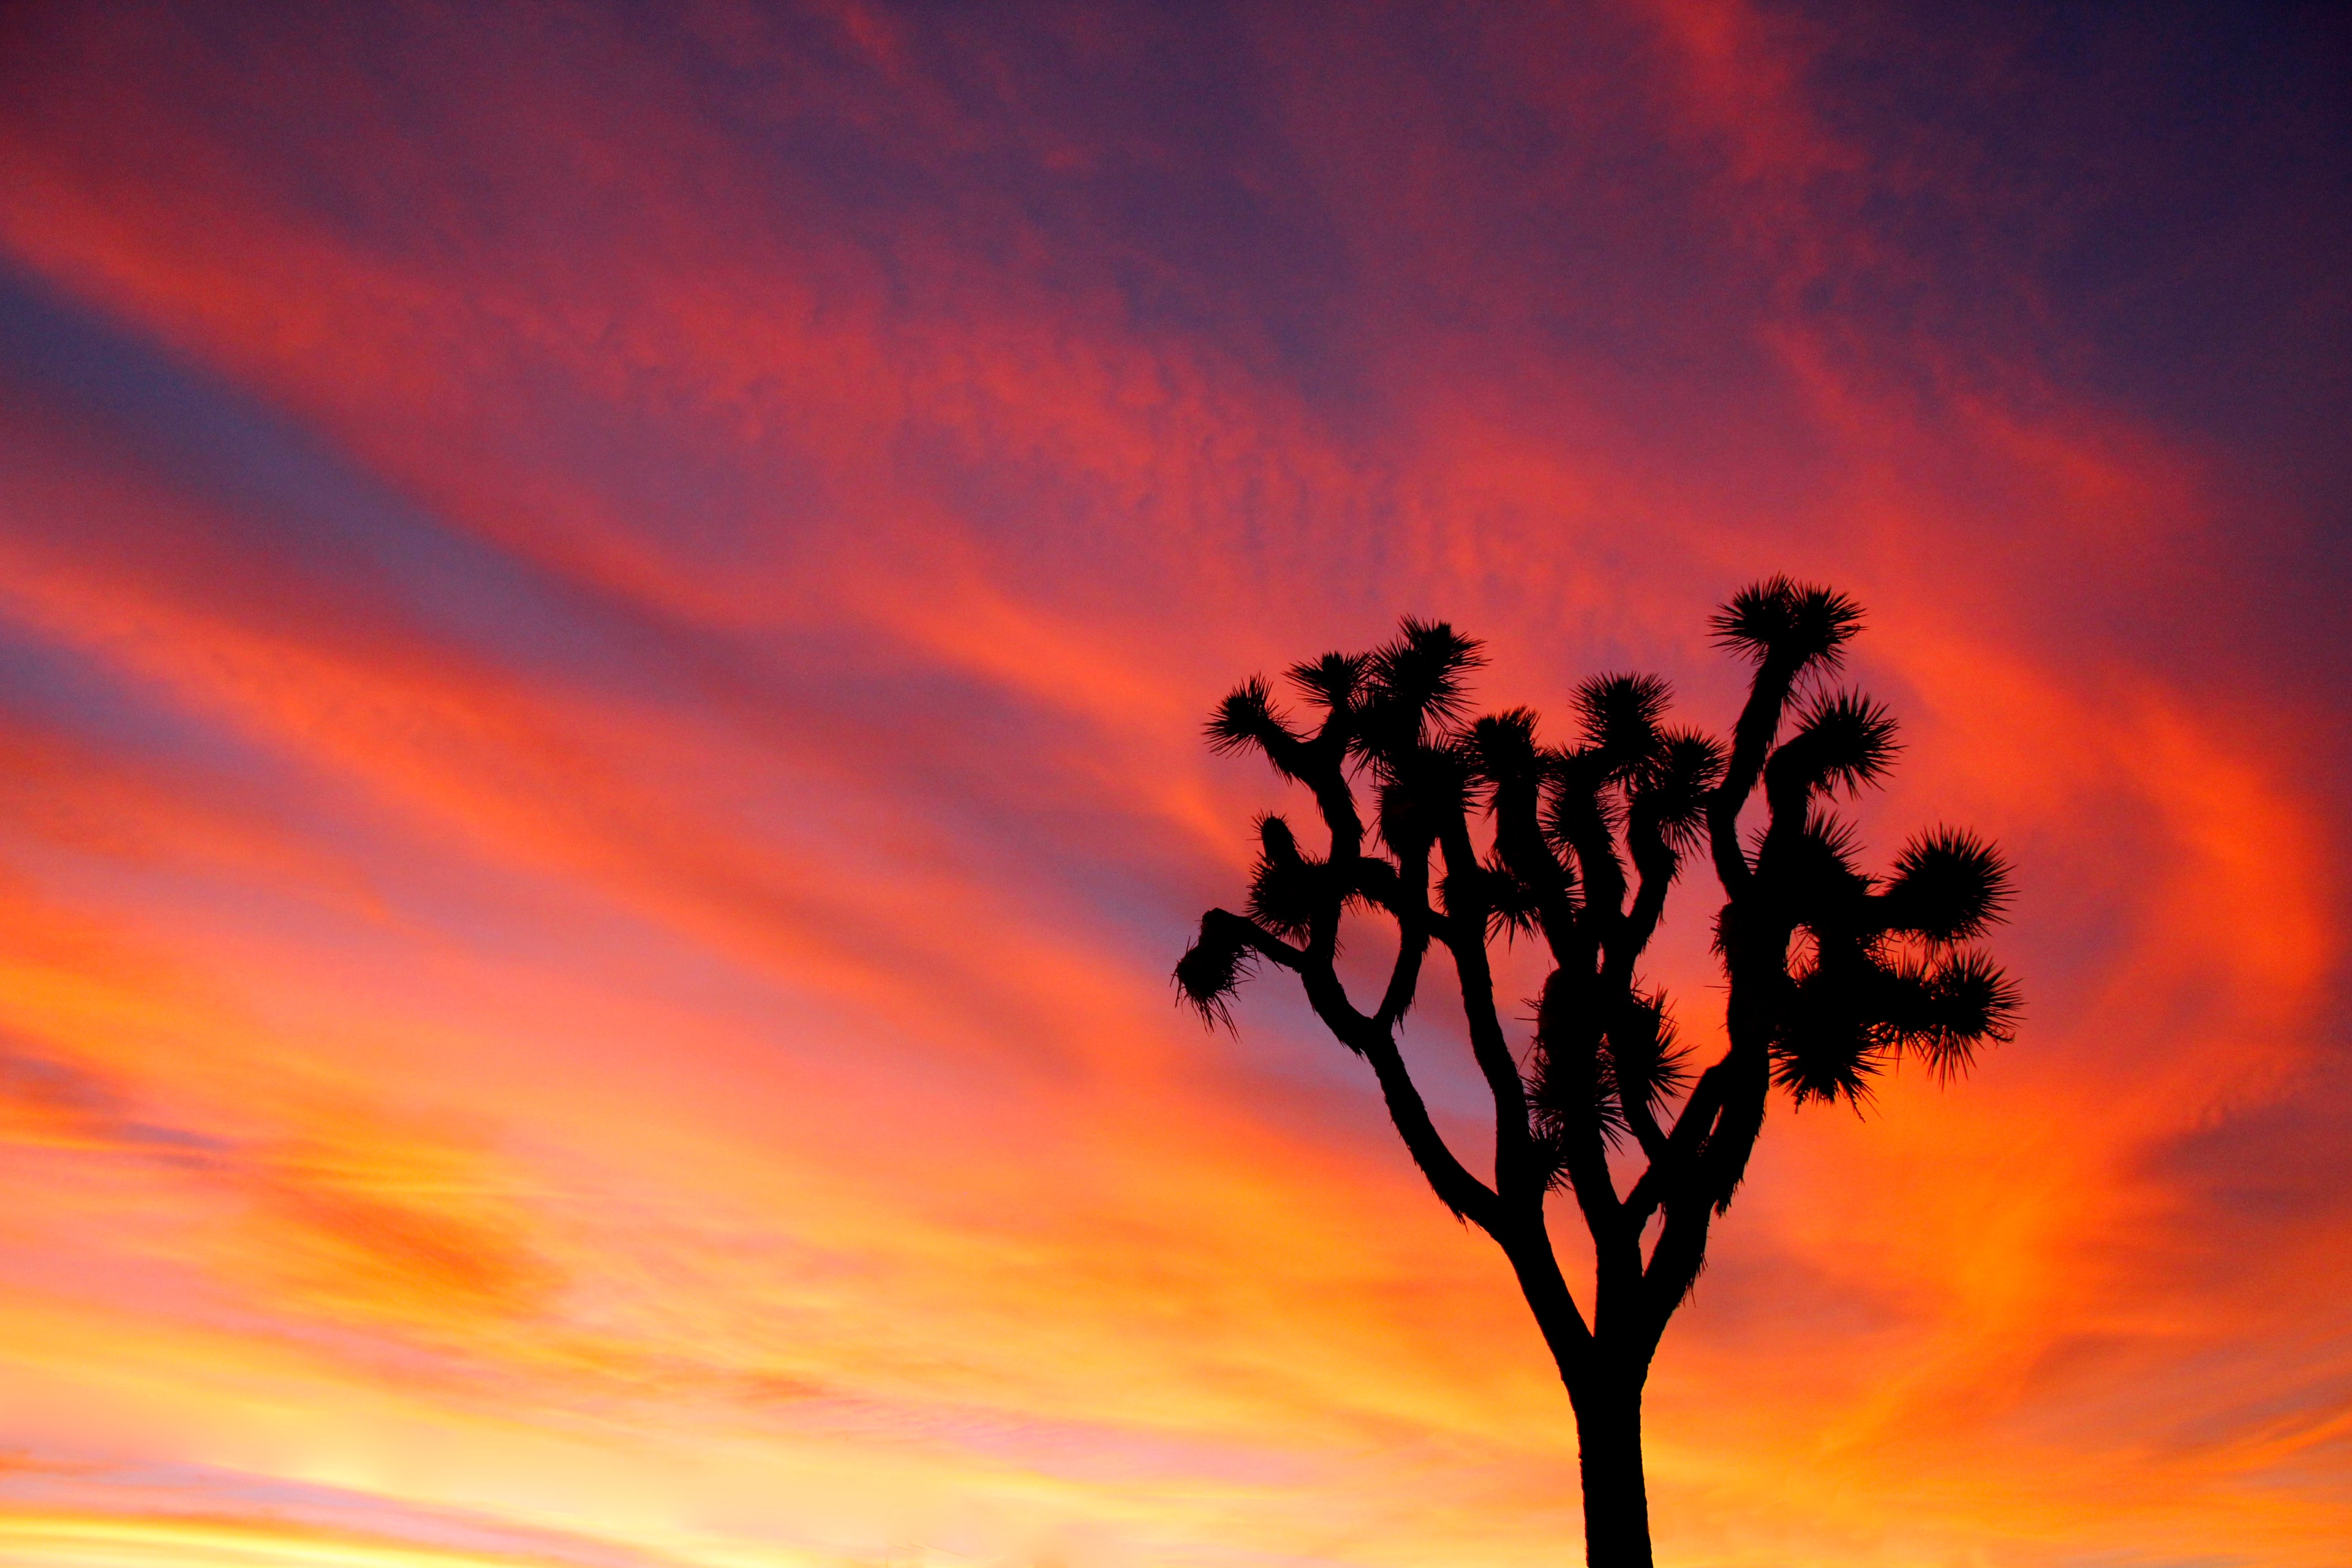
1682, 1143
1409, 905
1658, 863
1548, 1296
1461, 1192
1759, 720
1463, 931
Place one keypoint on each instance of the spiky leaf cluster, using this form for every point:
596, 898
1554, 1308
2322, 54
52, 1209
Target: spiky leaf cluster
1392, 717
1591, 1077
1212, 970
1879, 974
1786, 624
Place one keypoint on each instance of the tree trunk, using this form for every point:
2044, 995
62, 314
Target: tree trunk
1609, 1457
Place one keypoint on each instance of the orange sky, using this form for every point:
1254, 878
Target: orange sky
603, 621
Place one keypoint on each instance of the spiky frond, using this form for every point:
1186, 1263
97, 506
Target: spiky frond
1646, 1062
1948, 886
1842, 740
1406, 823
1212, 970
1332, 682
1577, 793
1947, 1009
1275, 840
1287, 889
1851, 1014
1788, 624
1422, 790
1511, 906
1569, 1089
1811, 870
1415, 685
1500, 748
1673, 790
1248, 718
1620, 715
1826, 1048
1824, 1065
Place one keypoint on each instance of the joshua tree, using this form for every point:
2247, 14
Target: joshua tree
1834, 973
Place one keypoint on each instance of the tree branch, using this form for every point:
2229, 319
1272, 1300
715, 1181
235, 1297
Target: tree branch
1463, 931
1456, 1187
1460, 1190
1572, 1043
1519, 838
1587, 830
1656, 861
1407, 903
1675, 1263
1681, 1145
1565, 1332
1751, 738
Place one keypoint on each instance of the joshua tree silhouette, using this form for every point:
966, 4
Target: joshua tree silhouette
1833, 974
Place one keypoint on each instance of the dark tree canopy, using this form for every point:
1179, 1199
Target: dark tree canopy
1480, 832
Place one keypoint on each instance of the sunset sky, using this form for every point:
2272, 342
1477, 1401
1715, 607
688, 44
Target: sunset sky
605, 612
